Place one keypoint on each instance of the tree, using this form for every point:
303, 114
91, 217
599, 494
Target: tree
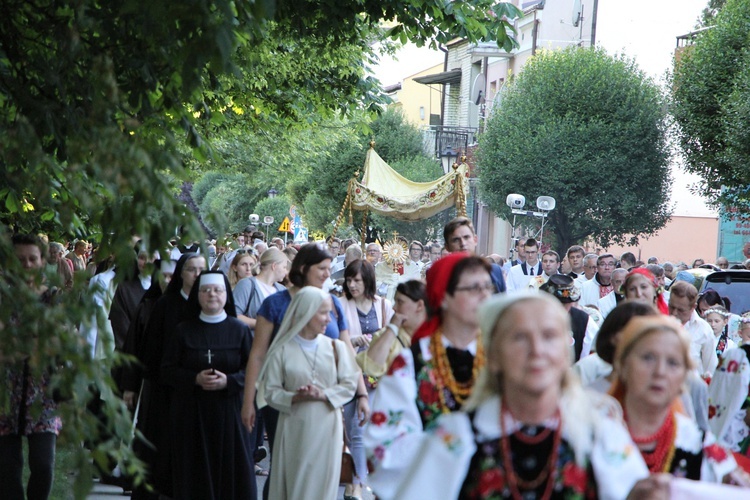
589, 130
711, 106
97, 102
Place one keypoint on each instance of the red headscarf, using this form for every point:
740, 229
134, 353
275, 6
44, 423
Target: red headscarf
661, 304
437, 282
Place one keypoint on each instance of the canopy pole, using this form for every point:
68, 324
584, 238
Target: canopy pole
364, 230
460, 192
347, 201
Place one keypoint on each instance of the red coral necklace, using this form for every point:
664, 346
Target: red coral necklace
549, 470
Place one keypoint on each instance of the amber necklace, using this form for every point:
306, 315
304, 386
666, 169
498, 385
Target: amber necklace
444, 378
515, 483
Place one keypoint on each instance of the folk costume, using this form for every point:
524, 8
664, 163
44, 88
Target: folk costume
211, 448
309, 434
729, 400
430, 379
584, 451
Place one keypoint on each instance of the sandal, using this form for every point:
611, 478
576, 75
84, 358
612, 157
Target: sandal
260, 471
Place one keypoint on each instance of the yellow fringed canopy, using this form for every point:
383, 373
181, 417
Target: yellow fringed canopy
385, 191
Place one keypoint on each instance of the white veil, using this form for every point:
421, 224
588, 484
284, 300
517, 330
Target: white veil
305, 304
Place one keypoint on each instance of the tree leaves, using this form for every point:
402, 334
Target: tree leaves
711, 105
588, 130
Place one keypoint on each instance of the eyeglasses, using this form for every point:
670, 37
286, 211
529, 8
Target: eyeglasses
209, 289
476, 288
606, 264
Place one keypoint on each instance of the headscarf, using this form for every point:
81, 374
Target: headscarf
193, 308
175, 285
661, 304
580, 409
438, 277
489, 313
305, 304
636, 329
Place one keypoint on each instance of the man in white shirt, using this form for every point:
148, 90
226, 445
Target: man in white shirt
550, 264
682, 299
416, 251
601, 283
575, 256
610, 301
521, 274
589, 269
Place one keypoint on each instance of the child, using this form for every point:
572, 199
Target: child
718, 318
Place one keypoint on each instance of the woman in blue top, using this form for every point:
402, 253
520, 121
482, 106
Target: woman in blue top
310, 267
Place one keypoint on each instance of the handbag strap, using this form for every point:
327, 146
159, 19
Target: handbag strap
336, 365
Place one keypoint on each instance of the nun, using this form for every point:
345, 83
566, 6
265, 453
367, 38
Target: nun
204, 364
153, 419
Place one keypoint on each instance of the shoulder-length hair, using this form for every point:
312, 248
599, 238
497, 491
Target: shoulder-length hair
308, 255
367, 271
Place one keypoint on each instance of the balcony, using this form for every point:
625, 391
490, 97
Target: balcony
438, 138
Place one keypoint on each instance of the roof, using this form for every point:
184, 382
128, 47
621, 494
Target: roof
452, 76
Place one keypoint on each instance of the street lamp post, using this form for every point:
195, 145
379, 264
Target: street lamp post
447, 157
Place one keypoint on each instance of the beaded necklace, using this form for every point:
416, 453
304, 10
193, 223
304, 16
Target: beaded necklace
444, 378
660, 459
515, 483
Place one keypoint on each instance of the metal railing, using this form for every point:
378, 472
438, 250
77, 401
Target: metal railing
438, 138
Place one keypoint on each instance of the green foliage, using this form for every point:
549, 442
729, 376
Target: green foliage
711, 105
107, 107
709, 13
588, 130
226, 206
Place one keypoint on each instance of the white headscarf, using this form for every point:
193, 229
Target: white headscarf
575, 404
305, 304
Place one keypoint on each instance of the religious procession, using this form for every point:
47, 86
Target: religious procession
283, 251
402, 369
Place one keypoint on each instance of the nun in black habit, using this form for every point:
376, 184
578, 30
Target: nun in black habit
204, 364
153, 419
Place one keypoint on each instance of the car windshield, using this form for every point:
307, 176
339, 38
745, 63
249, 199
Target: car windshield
738, 292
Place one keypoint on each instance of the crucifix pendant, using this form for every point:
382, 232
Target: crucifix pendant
314, 377
209, 356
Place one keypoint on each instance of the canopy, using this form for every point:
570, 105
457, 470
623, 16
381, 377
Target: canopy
385, 191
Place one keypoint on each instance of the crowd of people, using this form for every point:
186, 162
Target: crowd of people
443, 374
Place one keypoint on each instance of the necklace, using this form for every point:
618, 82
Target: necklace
515, 483
312, 363
660, 458
444, 378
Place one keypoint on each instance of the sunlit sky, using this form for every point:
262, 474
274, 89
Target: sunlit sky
642, 29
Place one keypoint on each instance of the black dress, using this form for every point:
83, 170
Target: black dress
212, 456
153, 417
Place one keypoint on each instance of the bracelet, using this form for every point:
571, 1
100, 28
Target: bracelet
357, 396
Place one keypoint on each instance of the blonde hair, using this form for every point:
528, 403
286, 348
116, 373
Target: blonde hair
491, 314
580, 410
232, 275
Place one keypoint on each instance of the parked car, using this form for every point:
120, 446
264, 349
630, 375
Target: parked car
734, 284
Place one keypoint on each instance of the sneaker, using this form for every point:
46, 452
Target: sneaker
260, 453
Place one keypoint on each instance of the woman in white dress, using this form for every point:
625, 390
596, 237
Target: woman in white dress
307, 377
